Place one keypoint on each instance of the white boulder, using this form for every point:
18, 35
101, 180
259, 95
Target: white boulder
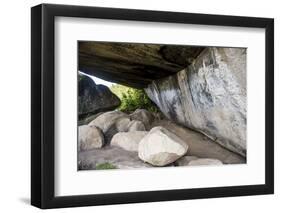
90, 137
128, 140
161, 147
106, 120
110, 123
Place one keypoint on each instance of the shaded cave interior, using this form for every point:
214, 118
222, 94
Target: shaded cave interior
157, 68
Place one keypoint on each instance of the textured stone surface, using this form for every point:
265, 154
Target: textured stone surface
116, 156
136, 126
89, 137
128, 140
94, 98
209, 96
144, 116
204, 161
184, 161
111, 122
161, 147
87, 119
107, 119
134, 65
199, 145
120, 125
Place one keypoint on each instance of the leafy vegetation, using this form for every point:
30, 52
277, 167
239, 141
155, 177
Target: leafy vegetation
132, 99
106, 165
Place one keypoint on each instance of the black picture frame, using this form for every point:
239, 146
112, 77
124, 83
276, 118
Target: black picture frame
43, 117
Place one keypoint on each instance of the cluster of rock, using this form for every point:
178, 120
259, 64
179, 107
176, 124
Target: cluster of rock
100, 130
128, 141
201, 88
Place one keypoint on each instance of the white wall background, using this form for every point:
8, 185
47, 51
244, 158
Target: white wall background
15, 105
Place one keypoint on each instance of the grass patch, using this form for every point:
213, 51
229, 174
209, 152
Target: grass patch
102, 166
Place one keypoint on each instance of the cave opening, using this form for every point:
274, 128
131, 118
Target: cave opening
155, 105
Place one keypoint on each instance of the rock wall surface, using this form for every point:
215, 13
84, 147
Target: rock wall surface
208, 96
134, 65
94, 98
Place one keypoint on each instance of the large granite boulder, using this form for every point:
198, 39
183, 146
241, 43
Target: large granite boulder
90, 137
94, 98
120, 125
128, 140
161, 147
136, 126
208, 96
111, 122
107, 119
134, 65
144, 116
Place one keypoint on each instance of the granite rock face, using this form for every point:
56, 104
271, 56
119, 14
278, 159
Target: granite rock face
134, 65
95, 98
208, 96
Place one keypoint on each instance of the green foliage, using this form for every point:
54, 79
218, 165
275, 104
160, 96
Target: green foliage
106, 165
132, 99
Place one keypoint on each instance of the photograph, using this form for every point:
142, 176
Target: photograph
145, 105
135, 105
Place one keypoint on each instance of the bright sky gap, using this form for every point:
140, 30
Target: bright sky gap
98, 80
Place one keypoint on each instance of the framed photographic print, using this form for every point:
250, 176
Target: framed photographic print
140, 106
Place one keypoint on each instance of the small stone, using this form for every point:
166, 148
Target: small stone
184, 161
204, 161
